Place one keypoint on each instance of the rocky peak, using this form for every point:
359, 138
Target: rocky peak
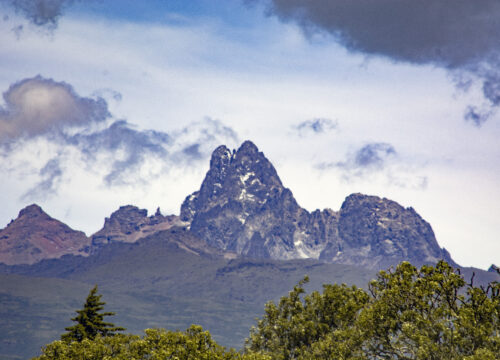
379, 232
242, 206
129, 223
32, 211
34, 236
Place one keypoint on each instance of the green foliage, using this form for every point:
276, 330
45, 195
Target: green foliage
156, 344
431, 313
90, 320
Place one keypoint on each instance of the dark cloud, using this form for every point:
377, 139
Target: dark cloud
459, 35
315, 126
44, 13
51, 174
38, 106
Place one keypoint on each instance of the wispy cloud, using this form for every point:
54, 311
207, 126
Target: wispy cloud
374, 160
315, 126
461, 36
50, 175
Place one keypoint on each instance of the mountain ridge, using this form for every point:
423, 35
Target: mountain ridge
243, 208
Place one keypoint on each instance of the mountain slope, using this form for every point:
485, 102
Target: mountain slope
169, 279
34, 236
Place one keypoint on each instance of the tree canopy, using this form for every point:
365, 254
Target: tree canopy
407, 313
156, 344
90, 320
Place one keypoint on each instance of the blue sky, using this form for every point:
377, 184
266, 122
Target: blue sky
109, 103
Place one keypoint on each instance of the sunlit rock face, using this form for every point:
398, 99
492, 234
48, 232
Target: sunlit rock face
243, 207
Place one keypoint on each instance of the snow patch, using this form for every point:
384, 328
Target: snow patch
245, 177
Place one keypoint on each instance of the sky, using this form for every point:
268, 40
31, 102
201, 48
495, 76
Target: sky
114, 102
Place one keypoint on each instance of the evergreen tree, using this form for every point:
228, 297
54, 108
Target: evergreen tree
89, 321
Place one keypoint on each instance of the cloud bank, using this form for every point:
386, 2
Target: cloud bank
462, 36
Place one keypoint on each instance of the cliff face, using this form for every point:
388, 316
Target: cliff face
242, 206
34, 236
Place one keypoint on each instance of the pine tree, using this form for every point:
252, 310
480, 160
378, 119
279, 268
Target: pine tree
89, 321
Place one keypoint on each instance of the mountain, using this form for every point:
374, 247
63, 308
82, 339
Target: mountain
129, 224
243, 206
34, 236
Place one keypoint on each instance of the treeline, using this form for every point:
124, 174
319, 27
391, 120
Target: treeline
407, 313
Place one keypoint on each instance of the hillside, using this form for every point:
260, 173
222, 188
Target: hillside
155, 282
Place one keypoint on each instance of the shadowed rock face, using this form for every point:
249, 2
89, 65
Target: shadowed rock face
242, 206
129, 223
34, 236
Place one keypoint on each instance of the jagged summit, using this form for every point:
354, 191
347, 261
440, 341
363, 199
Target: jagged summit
34, 235
243, 206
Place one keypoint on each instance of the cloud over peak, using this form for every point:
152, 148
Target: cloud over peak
37, 105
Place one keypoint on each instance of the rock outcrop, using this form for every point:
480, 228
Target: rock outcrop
129, 224
34, 236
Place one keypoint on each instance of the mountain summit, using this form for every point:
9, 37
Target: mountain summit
34, 236
242, 206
